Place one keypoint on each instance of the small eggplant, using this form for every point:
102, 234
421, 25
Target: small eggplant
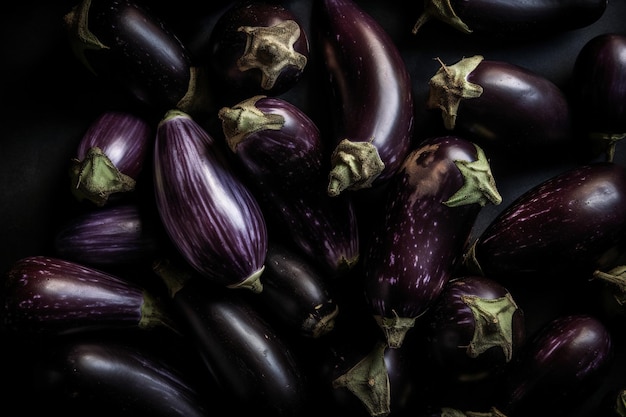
371, 95
51, 295
501, 105
430, 208
557, 368
572, 223
110, 156
125, 45
208, 212
281, 151
257, 48
599, 84
512, 19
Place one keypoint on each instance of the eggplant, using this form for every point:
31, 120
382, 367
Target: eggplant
249, 359
208, 212
257, 48
520, 19
281, 152
123, 44
430, 208
110, 156
599, 90
502, 106
371, 100
559, 365
571, 224
51, 295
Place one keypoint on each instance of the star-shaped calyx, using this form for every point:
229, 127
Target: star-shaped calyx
82, 39
270, 49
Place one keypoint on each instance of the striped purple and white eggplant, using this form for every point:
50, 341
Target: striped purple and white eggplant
599, 89
51, 295
133, 50
431, 205
571, 223
208, 212
503, 106
371, 96
110, 156
527, 19
282, 154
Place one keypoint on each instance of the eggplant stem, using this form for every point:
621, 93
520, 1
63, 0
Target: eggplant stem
443, 11
252, 283
395, 328
616, 277
355, 165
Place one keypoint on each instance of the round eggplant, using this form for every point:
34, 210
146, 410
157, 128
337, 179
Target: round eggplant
430, 208
371, 95
502, 106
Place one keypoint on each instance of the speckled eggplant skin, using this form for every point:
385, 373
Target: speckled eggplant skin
574, 222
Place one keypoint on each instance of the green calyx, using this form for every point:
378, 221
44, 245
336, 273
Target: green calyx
617, 278
443, 11
395, 328
82, 39
355, 165
252, 283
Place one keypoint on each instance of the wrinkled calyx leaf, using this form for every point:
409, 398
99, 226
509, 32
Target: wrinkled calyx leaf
355, 165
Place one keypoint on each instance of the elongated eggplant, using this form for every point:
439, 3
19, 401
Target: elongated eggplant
125, 45
248, 358
371, 95
211, 216
501, 105
599, 89
572, 223
430, 209
50, 295
110, 156
520, 19
282, 153
559, 365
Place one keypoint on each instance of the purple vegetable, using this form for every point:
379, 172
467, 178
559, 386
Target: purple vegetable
430, 208
372, 100
281, 152
501, 105
599, 84
209, 214
110, 156
512, 19
572, 223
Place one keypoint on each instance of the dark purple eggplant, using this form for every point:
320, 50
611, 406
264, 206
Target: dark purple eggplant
502, 105
208, 212
252, 363
512, 19
127, 46
50, 295
558, 367
599, 84
257, 48
371, 98
110, 156
281, 151
430, 208
476, 328
572, 223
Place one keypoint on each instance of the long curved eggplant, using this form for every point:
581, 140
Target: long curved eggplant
501, 105
572, 223
527, 18
371, 95
211, 216
430, 208
51, 295
599, 84
281, 151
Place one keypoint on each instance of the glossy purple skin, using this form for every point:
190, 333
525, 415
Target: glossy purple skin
419, 242
574, 222
372, 99
123, 137
111, 236
518, 110
599, 83
210, 215
52, 294
562, 362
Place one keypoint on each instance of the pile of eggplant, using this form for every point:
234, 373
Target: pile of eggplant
284, 207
